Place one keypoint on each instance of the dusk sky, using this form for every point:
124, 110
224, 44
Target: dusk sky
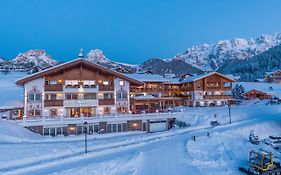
129, 30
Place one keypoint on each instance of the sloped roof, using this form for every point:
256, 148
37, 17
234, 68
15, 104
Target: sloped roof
269, 88
65, 65
198, 77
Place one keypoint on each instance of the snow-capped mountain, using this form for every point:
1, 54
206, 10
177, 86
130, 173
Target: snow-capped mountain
97, 56
37, 57
212, 56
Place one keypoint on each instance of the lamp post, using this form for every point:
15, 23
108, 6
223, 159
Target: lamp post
229, 115
85, 132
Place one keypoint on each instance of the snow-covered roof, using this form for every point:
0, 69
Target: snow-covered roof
263, 87
147, 77
197, 77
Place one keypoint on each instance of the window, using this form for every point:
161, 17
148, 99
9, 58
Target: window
89, 83
70, 96
105, 83
122, 95
53, 112
34, 97
71, 83
121, 83
90, 96
33, 112
106, 110
53, 96
107, 95
30, 97
53, 82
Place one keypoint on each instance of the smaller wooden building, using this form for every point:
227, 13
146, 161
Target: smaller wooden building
256, 94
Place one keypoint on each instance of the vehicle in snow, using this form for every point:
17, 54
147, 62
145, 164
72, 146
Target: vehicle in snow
254, 139
261, 162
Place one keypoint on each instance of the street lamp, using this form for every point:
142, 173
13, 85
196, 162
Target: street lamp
229, 107
85, 132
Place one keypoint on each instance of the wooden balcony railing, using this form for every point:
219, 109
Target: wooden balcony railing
211, 97
106, 101
106, 88
53, 87
48, 103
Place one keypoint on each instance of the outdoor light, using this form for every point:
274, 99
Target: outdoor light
229, 115
135, 125
85, 132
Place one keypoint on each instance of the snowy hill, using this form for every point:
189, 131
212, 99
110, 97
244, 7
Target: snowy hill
212, 56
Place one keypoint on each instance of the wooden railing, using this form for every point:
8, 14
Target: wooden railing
48, 103
53, 87
106, 101
106, 88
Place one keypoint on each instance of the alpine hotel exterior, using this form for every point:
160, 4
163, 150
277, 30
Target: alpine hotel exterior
110, 101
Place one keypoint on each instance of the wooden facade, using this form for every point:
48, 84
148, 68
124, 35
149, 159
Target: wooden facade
213, 89
256, 94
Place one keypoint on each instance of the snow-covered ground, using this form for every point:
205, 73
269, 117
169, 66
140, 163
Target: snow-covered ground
170, 152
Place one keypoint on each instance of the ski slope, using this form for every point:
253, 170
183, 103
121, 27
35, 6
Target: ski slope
170, 152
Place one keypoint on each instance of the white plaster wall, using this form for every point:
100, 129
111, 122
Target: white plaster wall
39, 83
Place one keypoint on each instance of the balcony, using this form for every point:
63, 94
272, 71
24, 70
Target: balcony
80, 103
106, 101
106, 88
53, 87
48, 103
214, 97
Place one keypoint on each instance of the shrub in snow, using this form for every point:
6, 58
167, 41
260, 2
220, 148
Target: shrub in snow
237, 92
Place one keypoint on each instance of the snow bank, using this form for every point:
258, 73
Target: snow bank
13, 133
224, 152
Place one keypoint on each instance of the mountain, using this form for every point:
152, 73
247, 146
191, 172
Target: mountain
30, 61
97, 56
161, 67
210, 57
36, 57
255, 67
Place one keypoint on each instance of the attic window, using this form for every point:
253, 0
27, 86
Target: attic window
121, 83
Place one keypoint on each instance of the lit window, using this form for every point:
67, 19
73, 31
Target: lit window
105, 83
53, 112
53, 82
121, 83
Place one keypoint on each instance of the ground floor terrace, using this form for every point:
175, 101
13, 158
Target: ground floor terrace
98, 125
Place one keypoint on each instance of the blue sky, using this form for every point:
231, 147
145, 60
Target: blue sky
129, 30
